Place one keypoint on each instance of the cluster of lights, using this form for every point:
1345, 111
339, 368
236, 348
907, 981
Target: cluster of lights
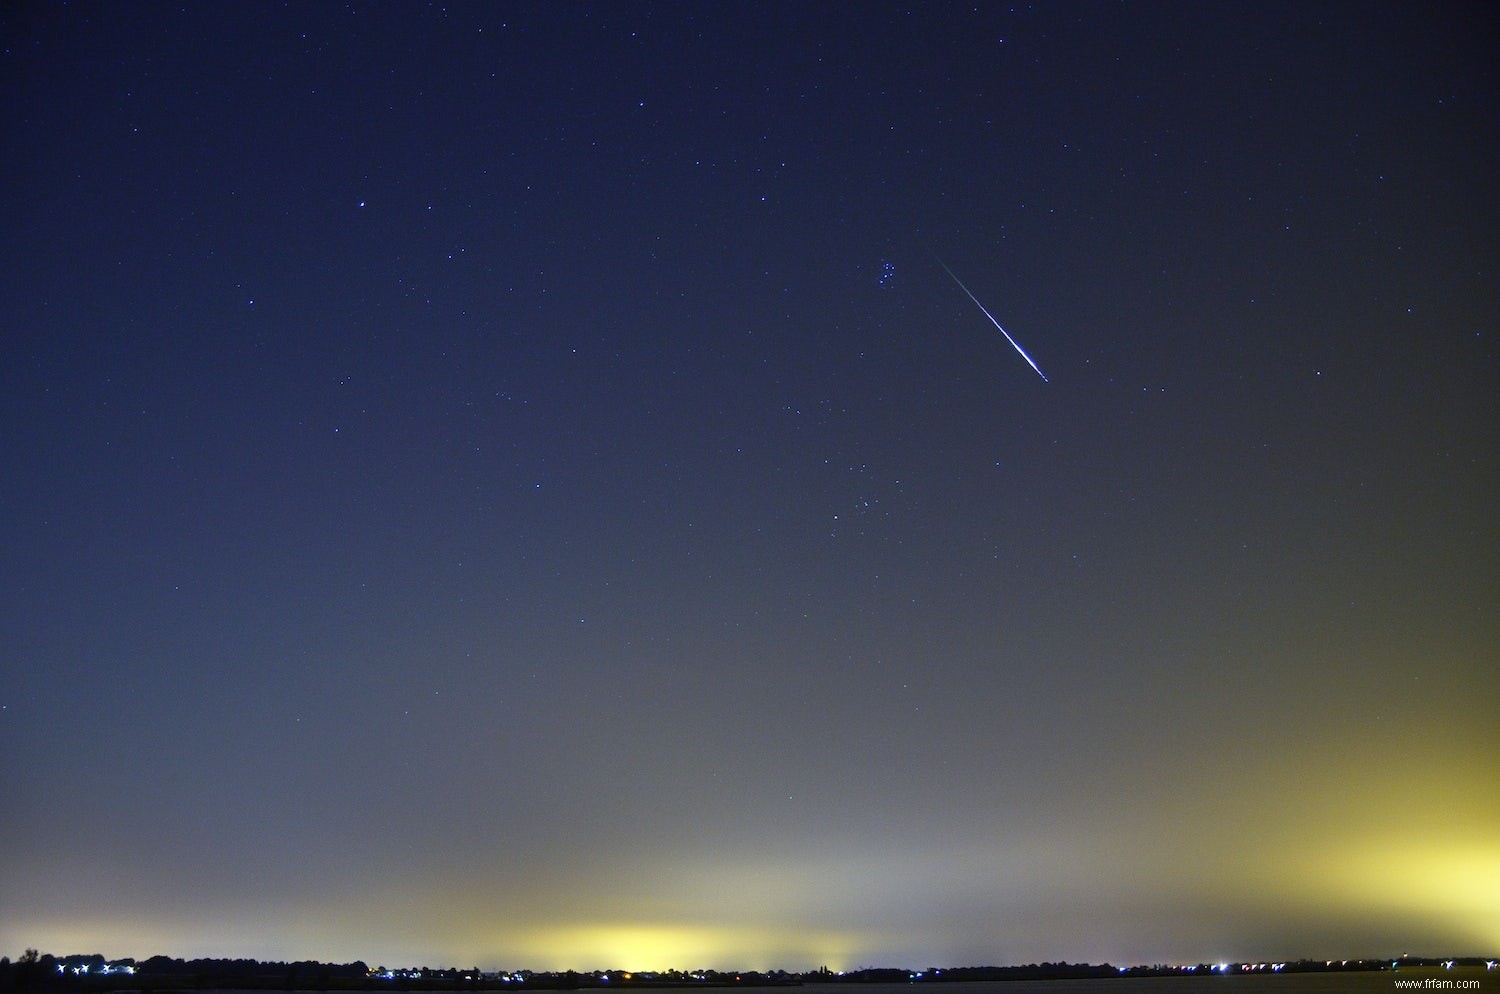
1182, 967
1179, 967
82, 969
519, 976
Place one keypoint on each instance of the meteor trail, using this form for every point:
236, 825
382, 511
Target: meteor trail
987, 314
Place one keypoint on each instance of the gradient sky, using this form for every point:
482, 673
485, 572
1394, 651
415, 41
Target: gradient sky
514, 485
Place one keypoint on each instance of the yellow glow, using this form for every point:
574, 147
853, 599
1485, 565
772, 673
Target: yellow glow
636, 946
1460, 884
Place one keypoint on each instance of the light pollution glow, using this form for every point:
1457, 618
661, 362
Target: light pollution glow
1393, 846
1028, 902
1399, 851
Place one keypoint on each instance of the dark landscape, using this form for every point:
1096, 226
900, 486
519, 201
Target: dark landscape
36, 972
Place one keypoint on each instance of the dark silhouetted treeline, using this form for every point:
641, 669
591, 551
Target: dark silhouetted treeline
93, 974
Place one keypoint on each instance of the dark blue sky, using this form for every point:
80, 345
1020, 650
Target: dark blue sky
515, 485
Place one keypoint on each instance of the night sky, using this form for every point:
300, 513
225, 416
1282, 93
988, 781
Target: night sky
515, 485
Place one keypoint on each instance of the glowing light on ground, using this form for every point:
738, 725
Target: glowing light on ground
642, 947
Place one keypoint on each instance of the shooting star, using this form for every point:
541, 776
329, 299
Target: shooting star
1012, 341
